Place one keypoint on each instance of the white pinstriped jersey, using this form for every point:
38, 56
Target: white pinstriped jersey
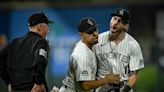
120, 59
82, 66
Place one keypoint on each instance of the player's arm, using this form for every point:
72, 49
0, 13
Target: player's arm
131, 81
92, 84
85, 73
136, 63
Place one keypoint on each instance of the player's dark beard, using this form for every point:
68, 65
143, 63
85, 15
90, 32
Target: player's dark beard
94, 42
114, 35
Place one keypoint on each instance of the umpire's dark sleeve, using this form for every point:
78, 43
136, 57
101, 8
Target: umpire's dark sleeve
41, 61
3, 64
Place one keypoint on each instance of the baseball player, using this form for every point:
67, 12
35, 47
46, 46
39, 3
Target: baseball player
81, 74
118, 53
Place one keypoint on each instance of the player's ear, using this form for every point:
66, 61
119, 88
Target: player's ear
126, 27
39, 27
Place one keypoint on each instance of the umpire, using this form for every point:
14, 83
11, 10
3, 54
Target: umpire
23, 61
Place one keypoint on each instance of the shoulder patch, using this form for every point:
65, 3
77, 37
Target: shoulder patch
141, 62
43, 52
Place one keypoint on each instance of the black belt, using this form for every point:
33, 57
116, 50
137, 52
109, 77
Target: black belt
120, 84
116, 87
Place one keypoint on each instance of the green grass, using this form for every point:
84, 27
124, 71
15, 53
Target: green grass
147, 79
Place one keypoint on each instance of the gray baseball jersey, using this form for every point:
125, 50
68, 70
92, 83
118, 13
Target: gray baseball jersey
118, 59
82, 66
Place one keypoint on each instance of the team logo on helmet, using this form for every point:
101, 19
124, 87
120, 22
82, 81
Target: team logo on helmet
121, 12
90, 22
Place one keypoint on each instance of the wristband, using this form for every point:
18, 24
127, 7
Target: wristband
127, 88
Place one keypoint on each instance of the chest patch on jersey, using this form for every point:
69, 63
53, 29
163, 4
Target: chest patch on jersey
85, 73
43, 53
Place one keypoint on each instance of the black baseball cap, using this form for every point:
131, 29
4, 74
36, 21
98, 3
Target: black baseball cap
86, 25
123, 13
37, 18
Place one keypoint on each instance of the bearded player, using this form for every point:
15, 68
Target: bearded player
119, 53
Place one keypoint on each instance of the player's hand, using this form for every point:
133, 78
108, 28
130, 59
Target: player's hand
38, 88
113, 78
55, 89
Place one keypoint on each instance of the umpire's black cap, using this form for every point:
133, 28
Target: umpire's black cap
123, 13
37, 18
86, 24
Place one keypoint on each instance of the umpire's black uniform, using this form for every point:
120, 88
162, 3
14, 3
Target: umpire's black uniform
23, 62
